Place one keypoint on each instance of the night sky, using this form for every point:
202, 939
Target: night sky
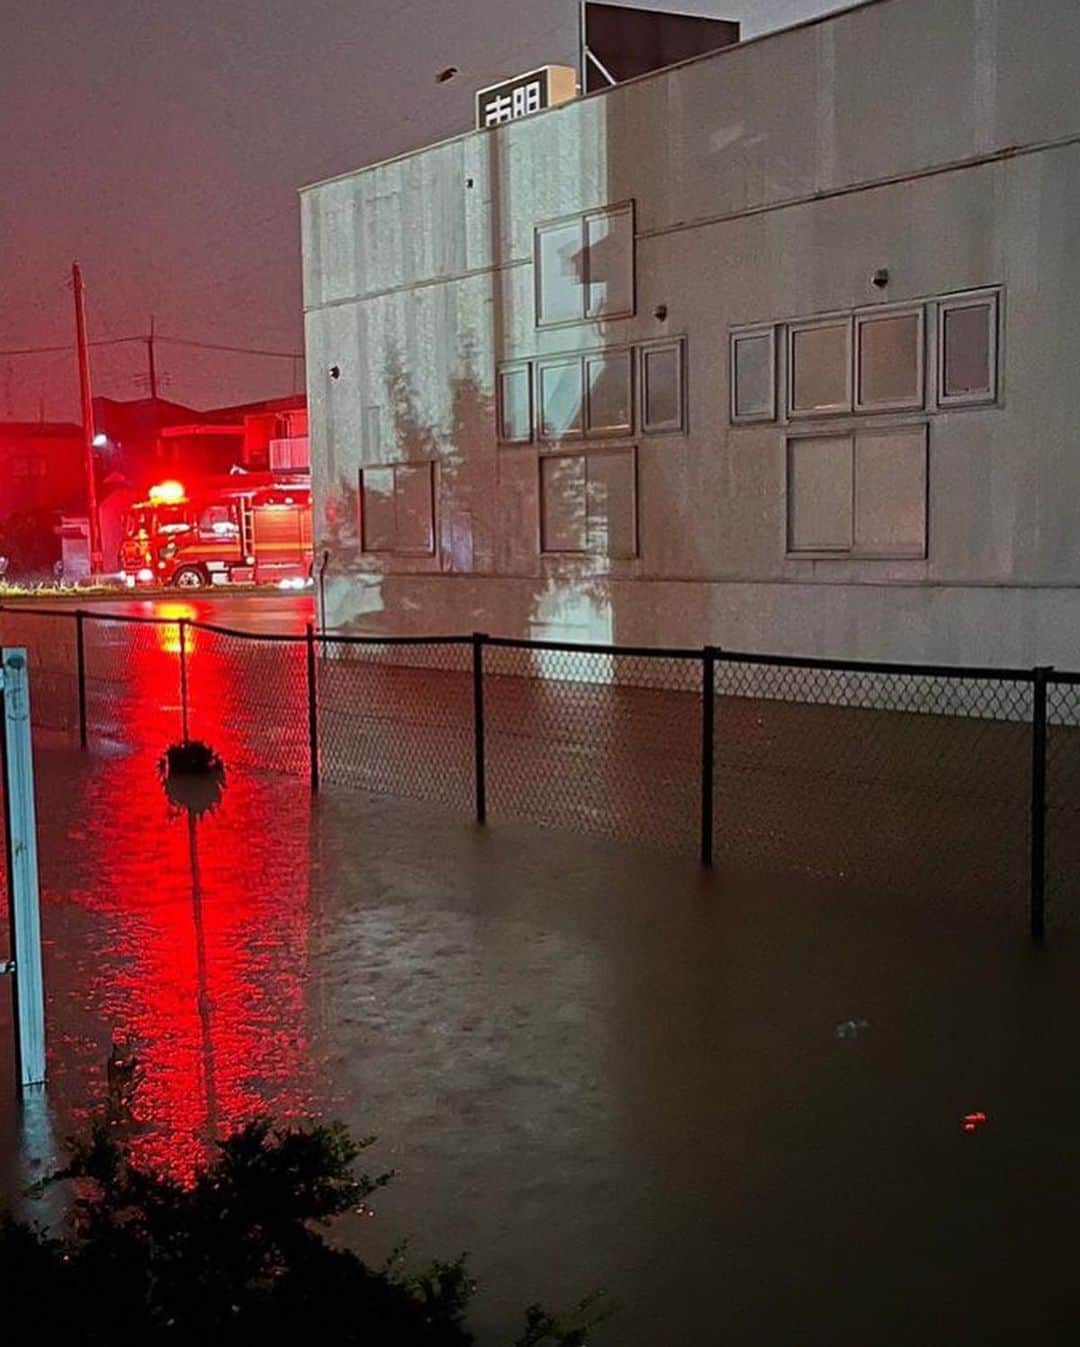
162, 142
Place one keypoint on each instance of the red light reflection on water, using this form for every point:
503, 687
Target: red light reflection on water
203, 924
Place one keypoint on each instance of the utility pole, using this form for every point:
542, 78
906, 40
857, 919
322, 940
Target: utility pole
93, 518
150, 357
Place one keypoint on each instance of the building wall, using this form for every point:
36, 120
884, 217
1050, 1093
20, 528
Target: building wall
41, 467
939, 139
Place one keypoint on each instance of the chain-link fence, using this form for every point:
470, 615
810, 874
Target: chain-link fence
52, 655
247, 696
959, 784
584, 737
397, 718
1063, 800
895, 781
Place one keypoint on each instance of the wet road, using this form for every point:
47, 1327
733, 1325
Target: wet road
262, 612
591, 1066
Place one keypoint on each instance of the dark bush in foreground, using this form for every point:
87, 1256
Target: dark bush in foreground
234, 1257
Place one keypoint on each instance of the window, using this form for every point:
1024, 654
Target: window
753, 375
561, 394
889, 360
33, 466
515, 405
609, 256
871, 360
819, 494
585, 267
967, 349
560, 261
608, 397
218, 523
398, 509
819, 367
662, 394
588, 503
861, 494
588, 393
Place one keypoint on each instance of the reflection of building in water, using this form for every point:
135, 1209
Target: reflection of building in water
771, 349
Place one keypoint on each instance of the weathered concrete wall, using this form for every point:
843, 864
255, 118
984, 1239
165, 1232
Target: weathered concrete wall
937, 138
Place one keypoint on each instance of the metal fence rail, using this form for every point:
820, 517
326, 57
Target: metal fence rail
901, 779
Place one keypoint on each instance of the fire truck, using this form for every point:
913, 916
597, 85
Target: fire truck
246, 528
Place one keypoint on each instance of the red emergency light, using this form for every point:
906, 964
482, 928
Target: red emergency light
167, 493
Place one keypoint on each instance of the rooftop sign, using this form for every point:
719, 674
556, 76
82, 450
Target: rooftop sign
517, 97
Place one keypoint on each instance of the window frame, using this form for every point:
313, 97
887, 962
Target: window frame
745, 334
851, 434
643, 349
627, 208
515, 367
795, 329
819, 552
861, 318
626, 355
585, 452
396, 550
547, 362
969, 299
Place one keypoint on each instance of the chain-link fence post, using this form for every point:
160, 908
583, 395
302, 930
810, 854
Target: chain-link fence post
313, 710
1038, 802
20, 839
80, 667
183, 627
708, 725
478, 725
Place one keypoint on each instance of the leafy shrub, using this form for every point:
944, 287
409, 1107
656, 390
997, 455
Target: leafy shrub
236, 1256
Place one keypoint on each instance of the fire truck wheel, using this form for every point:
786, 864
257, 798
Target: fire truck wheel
191, 577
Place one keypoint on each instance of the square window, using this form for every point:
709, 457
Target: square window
890, 492
584, 267
820, 478
515, 405
967, 350
377, 509
560, 268
414, 500
563, 521
397, 508
819, 367
588, 503
859, 495
561, 397
889, 360
611, 496
753, 375
609, 251
608, 388
662, 399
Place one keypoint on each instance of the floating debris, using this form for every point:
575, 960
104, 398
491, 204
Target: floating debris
851, 1028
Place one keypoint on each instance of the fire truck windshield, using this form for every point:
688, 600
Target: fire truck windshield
150, 519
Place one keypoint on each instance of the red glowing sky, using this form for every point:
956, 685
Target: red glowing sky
162, 145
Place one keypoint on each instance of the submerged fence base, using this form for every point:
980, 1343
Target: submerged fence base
899, 778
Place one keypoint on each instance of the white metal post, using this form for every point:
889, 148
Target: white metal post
23, 869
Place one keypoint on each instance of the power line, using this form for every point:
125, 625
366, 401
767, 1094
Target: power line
174, 341
69, 346
236, 350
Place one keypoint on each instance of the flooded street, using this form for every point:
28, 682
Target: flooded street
738, 1109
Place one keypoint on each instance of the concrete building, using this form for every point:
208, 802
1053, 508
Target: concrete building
775, 349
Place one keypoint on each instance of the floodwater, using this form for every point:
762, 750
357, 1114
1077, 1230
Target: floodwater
739, 1109
267, 610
